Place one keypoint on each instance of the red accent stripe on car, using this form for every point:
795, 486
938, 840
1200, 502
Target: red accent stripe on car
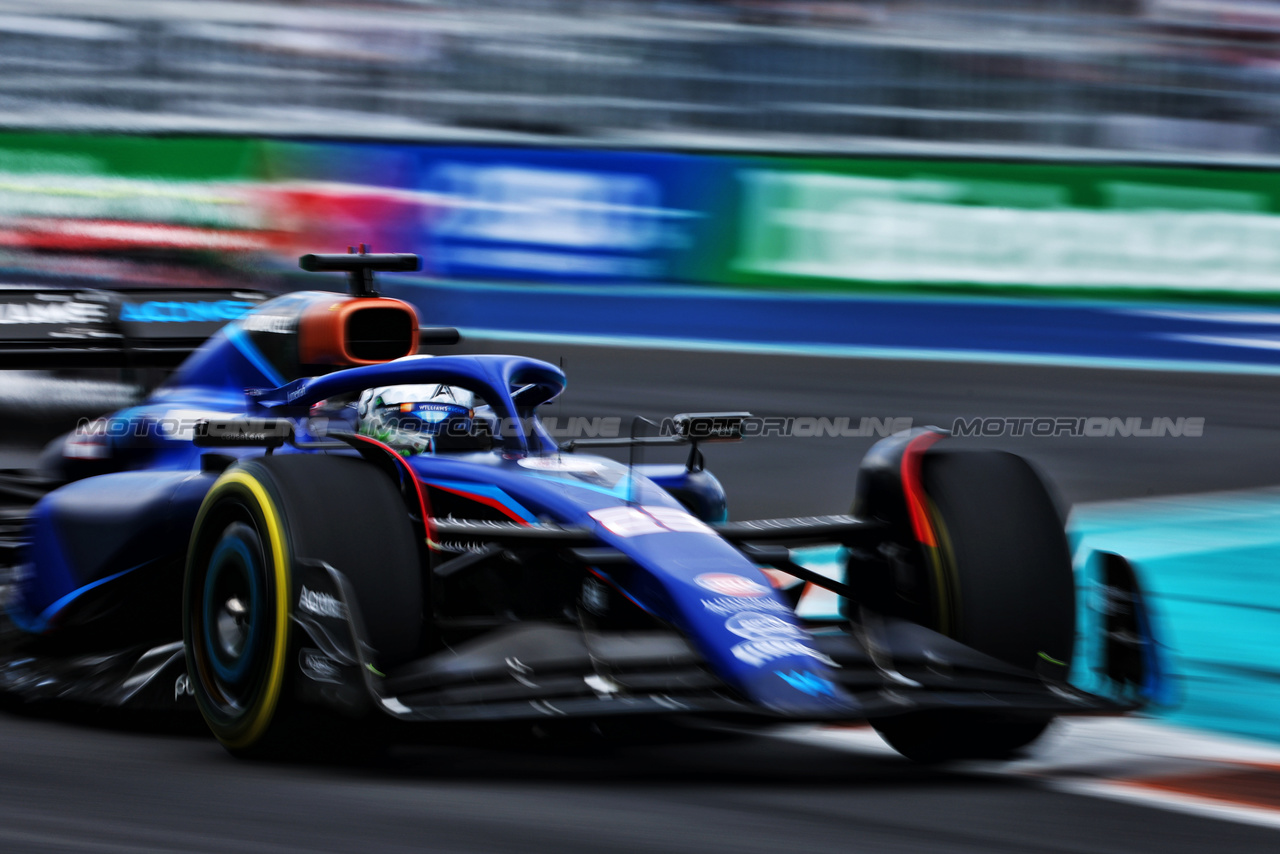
913, 488
423, 504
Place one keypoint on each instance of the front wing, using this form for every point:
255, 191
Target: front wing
542, 669
529, 670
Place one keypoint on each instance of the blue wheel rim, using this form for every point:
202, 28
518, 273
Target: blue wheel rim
232, 555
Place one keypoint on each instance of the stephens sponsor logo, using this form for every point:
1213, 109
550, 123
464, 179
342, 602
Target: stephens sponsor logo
321, 604
755, 626
727, 584
726, 605
760, 652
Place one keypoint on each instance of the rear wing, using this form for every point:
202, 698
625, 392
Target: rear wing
83, 328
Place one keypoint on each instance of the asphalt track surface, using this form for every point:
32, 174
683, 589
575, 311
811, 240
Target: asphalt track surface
84, 785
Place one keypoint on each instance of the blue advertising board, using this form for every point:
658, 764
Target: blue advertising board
556, 215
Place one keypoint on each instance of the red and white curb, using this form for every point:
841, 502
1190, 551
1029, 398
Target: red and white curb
1135, 760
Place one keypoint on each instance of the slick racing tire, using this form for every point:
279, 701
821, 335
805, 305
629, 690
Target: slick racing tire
1000, 581
257, 520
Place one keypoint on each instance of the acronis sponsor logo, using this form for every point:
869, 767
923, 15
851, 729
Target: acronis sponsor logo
175, 311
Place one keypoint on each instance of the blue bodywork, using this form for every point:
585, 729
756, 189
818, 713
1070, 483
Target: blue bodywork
137, 485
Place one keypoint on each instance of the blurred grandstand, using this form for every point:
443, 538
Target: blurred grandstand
1061, 78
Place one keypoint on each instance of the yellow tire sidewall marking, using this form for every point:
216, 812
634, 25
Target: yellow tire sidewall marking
942, 562
260, 717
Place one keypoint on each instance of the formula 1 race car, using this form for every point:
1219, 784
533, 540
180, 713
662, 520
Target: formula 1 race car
308, 524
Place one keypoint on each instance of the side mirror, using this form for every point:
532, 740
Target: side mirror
269, 433
710, 426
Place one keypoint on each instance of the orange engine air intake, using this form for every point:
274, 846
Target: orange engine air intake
354, 331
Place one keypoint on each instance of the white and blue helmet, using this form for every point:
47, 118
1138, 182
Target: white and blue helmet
414, 418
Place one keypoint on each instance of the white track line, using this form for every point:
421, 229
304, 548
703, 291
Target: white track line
1205, 807
1106, 758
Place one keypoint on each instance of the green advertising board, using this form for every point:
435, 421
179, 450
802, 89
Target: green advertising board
796, 223
926, 224
171, 180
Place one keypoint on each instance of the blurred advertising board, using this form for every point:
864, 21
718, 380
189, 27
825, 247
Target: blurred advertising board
162, 210
1087, 227
324, 197
86, 206
496, 213
563, 215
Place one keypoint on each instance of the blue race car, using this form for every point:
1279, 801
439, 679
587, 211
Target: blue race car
309, 524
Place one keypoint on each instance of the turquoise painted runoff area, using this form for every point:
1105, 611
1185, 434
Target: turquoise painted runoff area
1210, 565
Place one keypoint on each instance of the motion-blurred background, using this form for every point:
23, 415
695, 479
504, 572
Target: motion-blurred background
1065, 77
795, 144
938, 209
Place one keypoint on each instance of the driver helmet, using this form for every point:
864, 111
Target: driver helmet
412, 418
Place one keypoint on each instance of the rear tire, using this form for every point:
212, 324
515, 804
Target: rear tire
1000, 581
256, 521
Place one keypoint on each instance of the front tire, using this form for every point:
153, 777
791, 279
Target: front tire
1000, 581
257, 520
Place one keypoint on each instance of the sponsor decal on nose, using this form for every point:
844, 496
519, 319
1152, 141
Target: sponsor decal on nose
728, 584
757, 626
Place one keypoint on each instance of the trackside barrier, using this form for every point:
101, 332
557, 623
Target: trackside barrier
565, 216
